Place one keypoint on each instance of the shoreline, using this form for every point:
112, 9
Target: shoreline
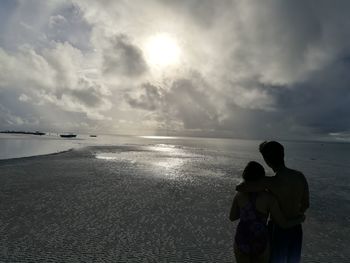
38, 155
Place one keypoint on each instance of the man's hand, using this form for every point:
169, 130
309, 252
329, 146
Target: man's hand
256, 186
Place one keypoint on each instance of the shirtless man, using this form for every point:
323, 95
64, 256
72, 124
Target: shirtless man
292, 193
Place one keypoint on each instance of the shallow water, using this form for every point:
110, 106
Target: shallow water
325, 165
18, 145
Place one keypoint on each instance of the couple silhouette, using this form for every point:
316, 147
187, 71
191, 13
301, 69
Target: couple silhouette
270, 210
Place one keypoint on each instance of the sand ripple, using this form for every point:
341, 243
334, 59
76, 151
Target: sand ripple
142, 206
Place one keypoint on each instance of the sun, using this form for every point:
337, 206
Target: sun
162, 50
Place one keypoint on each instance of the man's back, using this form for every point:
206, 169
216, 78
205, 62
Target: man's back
291, 190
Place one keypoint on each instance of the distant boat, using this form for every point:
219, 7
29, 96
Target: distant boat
24, 132
93, 135
38, 133
68, 135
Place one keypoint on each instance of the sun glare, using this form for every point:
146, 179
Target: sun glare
162, 50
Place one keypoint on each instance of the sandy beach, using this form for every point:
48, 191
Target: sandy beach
74, 207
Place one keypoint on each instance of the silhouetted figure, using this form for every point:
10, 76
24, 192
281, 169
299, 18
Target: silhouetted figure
253, 209
292, 193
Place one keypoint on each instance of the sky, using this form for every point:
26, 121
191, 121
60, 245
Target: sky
265, 69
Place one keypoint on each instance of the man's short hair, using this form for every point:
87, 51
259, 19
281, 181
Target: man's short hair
272, 151
253, 171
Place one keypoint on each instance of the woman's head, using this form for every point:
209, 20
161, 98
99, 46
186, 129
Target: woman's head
253, 171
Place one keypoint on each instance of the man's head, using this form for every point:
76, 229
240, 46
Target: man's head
273, 153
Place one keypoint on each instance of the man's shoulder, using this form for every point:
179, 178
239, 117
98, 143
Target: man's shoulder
295, 175
294, 172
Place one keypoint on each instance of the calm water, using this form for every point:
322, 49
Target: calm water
19, 145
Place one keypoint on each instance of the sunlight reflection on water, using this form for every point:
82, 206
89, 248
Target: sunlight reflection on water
162, 159
159, 137
106, 156
170, 163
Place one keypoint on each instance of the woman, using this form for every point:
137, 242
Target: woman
253, 209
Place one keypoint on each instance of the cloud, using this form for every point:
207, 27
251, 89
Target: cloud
23, 97
9, 118
57, 21
322, 102
149, 99
67, 24
205, 13
54, 76
184, 100
122, 58
248, 68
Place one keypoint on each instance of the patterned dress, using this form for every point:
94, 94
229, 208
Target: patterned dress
252, 232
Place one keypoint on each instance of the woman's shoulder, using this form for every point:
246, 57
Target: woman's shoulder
259, 195
242, 195
241, 198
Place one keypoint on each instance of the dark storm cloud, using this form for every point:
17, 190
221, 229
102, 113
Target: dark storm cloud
149, 99
295, 51
88, 96
88, 93
185, 100
323, 102
312, 109
204, 12
190, 103
123, 58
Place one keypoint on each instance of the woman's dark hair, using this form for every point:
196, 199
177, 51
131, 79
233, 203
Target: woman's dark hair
253, 171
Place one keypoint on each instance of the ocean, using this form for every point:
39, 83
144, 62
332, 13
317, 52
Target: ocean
326, 166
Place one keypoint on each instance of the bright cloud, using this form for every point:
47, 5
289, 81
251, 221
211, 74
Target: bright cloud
221, 68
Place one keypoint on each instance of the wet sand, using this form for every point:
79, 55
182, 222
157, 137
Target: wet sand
73, 207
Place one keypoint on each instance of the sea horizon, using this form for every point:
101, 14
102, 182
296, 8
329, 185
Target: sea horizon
25, 145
